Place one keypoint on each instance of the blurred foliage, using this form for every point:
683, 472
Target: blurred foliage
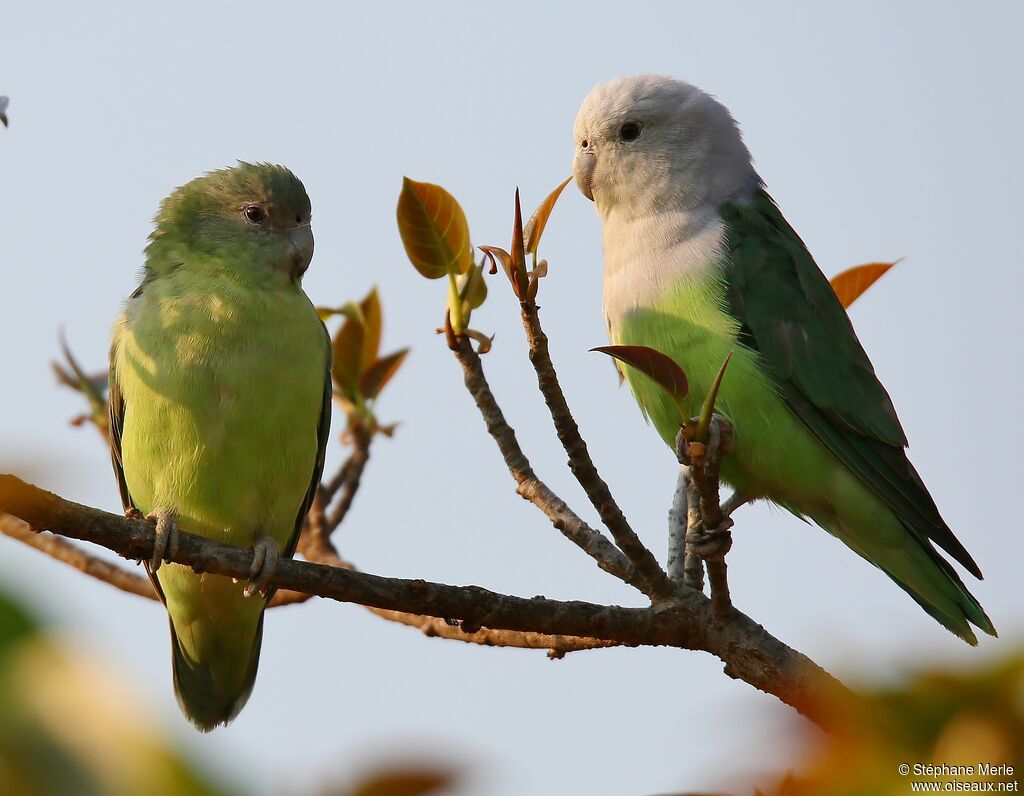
69, 727
938, 717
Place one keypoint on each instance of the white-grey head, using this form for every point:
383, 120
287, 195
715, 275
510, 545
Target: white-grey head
648, 143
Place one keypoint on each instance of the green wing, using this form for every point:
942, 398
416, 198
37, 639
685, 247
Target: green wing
789, 313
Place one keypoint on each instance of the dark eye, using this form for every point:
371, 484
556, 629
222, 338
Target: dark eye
254, 214
584, 143
630, 131
298, 218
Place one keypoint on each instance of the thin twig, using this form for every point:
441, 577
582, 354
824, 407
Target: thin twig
657, 584
530, 486
354, 468
711, 538
686, 621
694, 567
677, 522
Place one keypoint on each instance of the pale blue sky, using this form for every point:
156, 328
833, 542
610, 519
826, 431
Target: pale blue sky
882, 130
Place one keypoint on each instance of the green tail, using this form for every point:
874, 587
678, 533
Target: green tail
876, 534
953, 606
206, 696
216, 634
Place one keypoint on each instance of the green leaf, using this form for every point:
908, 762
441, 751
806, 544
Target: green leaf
472, 289
539, 219
708, 409
660, 368
434, 230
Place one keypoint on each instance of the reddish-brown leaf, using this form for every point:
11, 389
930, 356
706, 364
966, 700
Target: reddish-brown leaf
659, 367
376, 377
434, 229
851, 283
517, 257
539, 219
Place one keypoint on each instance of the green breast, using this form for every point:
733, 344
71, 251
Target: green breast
222, 387
689, 323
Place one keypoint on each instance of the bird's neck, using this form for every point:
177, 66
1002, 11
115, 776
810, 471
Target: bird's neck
647, 255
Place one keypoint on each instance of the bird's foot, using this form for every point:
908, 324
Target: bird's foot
265, 555
165, 537
713, 544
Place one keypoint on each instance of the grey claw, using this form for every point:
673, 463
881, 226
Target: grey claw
165, 537
265, 554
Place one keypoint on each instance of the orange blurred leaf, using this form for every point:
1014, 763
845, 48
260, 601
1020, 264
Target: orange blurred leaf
376, 377
372, 322
659, 367
411, 782
347, 350
851, 283
434, 229
535, 226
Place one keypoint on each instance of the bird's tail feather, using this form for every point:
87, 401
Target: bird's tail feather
206, 700
956, 609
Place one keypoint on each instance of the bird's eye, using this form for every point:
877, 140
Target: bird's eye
254, 214
298, 218
584, 143
630, 131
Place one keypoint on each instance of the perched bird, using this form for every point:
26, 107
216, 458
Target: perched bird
220, 407
699, 261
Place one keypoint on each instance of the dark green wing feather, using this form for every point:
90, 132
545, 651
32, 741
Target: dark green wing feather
789, 313
322, 434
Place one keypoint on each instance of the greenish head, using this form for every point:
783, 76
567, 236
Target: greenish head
251, 221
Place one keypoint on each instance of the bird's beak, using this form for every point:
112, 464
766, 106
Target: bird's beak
583, 172
302, 240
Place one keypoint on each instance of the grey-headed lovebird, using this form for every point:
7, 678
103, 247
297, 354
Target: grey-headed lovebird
700, 262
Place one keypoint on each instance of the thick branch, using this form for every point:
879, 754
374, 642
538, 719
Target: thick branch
658, 585
749, 652
530, 486
74, 556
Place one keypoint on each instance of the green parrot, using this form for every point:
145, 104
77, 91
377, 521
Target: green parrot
220, 407
699, 261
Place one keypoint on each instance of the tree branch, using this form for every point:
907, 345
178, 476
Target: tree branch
657, 584
74, 556
531, 487
685, 621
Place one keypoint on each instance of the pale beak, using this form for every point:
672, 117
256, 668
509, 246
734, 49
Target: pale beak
583, 172
301, 239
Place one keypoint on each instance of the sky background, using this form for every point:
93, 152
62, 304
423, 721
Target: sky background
882, 130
